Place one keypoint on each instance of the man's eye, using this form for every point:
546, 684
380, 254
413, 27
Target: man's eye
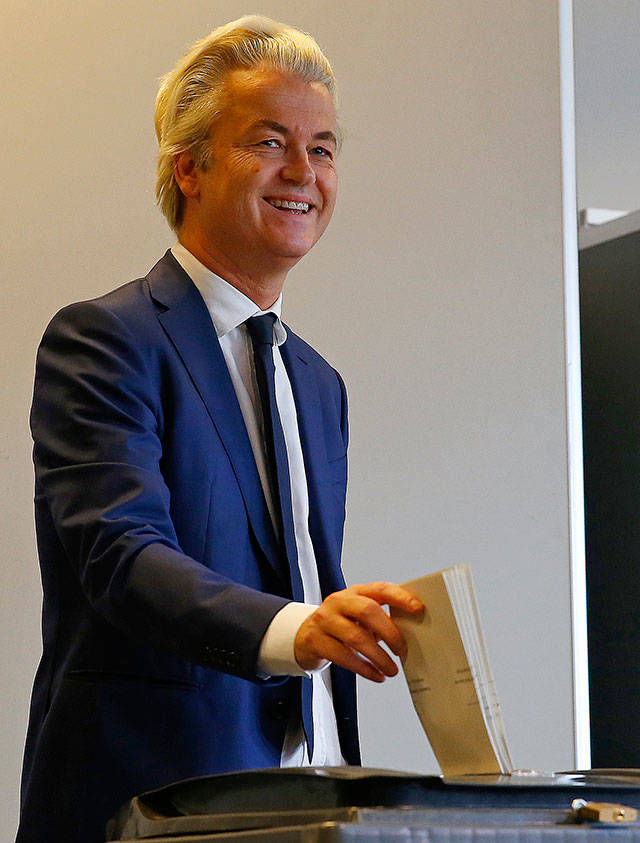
272, 143
322, 151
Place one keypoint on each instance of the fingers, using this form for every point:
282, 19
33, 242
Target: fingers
362, 638
390, 594
342, 655
362, 604
360, 622
348, 625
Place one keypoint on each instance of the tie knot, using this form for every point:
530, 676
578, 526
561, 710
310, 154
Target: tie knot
261, 329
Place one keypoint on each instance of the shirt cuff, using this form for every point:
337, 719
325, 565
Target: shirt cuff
276, 655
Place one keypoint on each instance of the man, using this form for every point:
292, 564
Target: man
191, 470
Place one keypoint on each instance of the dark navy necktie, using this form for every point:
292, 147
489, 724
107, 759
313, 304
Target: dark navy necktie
261, 332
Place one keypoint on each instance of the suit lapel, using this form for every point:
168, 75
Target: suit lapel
186, 320
312, 437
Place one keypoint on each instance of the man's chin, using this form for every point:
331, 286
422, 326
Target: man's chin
292, 250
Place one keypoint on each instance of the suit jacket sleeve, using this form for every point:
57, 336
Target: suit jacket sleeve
97, 421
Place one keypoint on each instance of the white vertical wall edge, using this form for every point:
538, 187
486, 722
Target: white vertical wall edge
581, 721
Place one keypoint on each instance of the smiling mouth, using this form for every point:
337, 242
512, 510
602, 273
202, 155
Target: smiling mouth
290, 207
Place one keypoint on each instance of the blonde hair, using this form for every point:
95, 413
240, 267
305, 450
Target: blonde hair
192, 95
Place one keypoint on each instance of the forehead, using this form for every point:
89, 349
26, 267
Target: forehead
262, 93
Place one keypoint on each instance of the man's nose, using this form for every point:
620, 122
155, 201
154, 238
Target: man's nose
297, 168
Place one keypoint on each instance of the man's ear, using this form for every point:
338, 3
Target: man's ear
187, 174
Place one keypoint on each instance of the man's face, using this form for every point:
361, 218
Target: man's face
270, 187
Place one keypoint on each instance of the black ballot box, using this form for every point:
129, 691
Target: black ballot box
305, 805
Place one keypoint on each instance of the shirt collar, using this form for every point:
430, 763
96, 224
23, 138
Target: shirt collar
228, 307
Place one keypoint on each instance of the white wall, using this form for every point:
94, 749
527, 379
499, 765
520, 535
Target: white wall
438, 292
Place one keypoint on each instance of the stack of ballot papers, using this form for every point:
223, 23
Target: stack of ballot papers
449, 677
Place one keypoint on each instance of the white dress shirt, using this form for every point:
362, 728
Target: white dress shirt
229, 309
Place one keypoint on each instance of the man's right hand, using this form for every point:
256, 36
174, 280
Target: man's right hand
348, 626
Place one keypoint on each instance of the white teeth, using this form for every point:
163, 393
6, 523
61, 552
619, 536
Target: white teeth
290, 206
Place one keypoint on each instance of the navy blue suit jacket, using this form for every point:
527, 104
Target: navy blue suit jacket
159, 562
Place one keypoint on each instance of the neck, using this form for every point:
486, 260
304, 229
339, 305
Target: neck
263, 287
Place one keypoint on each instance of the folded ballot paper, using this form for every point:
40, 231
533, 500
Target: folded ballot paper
449, 676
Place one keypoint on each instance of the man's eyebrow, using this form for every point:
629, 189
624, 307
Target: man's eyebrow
282, 130
270, 124
328, 135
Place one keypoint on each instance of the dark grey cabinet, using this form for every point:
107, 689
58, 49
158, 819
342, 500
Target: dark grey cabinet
610, 337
